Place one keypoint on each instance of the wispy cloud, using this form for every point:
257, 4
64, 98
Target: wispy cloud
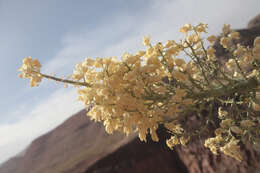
40, 119
91, 43
161, 21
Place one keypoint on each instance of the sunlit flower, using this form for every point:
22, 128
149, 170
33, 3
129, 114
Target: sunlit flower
224, 41
186, 28
172, 142
226, 28
234, 35
221, 113
212, 39
31, 70
146, 41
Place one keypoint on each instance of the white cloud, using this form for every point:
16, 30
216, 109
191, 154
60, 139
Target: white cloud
43, 117
87, 43
166, 17
161, 21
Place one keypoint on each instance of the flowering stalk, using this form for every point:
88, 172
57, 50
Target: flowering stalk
154, 87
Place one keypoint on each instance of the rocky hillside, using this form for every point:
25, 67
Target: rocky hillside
81, 146
70, 148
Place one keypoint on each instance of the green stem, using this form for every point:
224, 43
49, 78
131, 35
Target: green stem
198, 60
239, 87
65, 80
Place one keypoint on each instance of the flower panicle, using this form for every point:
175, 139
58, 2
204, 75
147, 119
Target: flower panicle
157, 86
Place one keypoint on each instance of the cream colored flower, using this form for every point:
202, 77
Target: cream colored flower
175, 128
239, 51
179, 62
186, 28
154, 135
254, 73
169, 43
146, 41
172, 142
231, 64
234, 35
201, 27
212, 38
224, 41
193, 39
257, 41
221, 113
89, 61
211, 53
232, 149
31, 70
226, 28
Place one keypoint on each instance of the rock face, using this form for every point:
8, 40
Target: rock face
81, 146
255, 22
141, 157
198, 159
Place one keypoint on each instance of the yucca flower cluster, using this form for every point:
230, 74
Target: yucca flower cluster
157, 86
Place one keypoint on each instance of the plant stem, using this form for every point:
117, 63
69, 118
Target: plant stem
65, 80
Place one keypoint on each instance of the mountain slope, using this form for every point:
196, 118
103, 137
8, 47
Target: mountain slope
71, 147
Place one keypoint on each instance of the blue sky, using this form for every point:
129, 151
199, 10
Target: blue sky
61, 33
